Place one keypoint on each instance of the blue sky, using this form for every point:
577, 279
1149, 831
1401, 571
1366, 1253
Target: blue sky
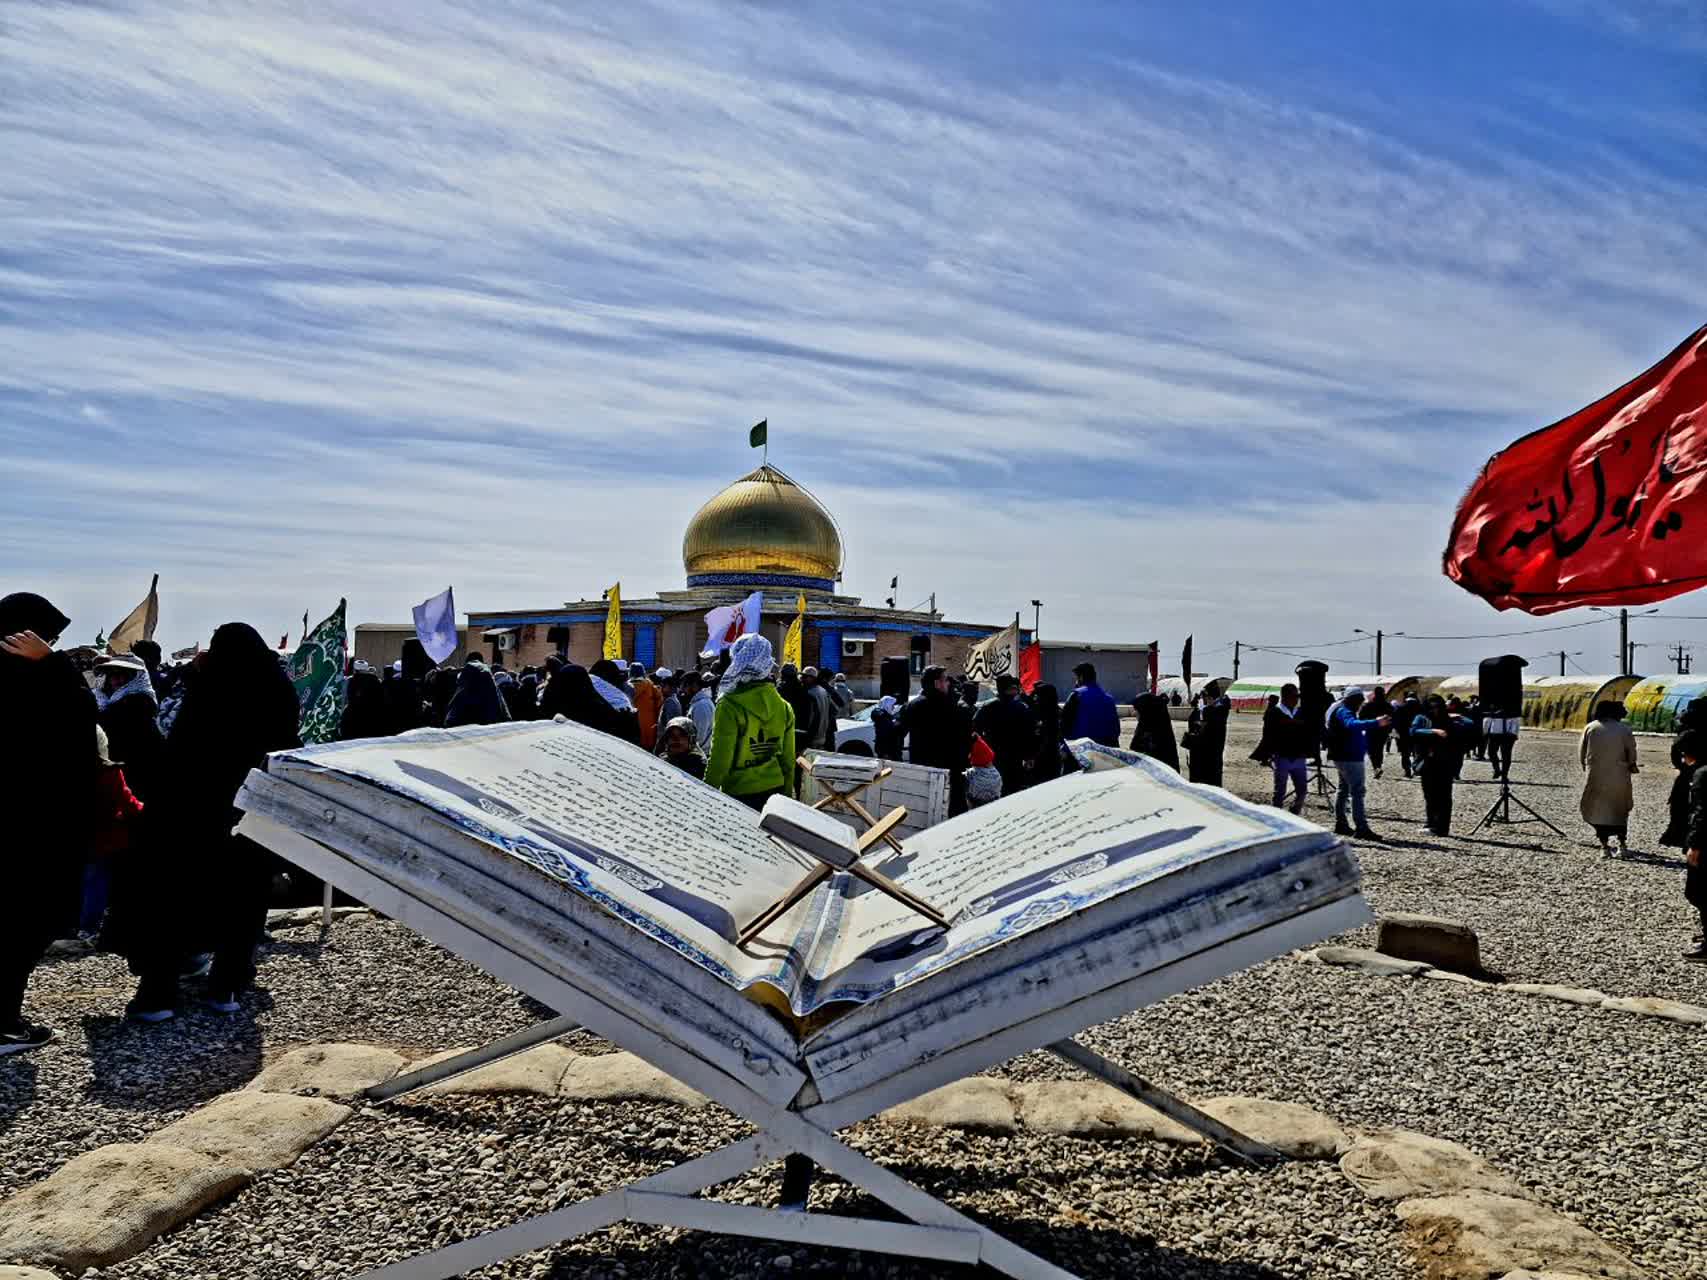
1183, 318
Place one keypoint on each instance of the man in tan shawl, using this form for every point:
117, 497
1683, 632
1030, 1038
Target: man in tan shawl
1608, 755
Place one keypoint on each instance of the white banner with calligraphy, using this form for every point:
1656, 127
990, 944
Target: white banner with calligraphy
998, 655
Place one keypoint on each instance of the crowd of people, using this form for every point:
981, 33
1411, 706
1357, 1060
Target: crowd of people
132, 777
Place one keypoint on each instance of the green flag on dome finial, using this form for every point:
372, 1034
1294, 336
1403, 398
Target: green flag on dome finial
759, 437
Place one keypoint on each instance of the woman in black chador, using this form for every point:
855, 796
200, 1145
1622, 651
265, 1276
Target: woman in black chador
193, 869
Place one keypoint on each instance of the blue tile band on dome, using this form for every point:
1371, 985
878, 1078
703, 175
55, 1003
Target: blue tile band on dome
760, 580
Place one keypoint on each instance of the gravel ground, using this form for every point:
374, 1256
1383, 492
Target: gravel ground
1600, 1113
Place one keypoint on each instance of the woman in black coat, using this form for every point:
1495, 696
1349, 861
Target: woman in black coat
1688, 827
240, 707
571, 694
47, 794
1154, 735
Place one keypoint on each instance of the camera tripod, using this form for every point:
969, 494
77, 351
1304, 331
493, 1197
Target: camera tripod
1500, 812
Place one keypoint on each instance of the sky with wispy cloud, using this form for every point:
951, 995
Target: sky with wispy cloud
1182, 318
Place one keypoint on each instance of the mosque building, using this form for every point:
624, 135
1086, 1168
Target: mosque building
763, 533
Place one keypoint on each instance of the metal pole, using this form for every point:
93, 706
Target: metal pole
1561, 662
1378, 652
1236, 659
1624, 641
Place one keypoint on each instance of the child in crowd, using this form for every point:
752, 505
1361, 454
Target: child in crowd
117, 812
681, 746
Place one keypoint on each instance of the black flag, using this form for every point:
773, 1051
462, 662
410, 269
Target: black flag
1185, 664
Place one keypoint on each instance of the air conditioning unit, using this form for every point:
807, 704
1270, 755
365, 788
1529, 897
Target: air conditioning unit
852, 648
507, 642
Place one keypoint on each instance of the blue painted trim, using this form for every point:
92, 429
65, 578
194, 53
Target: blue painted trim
555, 619
759, 580
852, 622
845, 621
830, 649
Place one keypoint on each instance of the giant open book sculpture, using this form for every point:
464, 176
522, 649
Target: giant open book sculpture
612, 887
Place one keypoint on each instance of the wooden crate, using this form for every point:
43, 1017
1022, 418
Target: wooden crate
923, 790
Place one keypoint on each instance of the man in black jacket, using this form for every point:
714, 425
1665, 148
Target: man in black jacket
1288, 737
1009, 726
939, 733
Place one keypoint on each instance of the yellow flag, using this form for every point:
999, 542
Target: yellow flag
613, 623
794, 640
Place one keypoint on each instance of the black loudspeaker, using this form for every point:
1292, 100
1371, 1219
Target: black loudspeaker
1312, 682
1313, 698
1500, 685
894, 678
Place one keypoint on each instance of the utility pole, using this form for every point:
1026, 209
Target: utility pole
1561, 662
1377, 652
1236, 645
1624, 641
1680, 656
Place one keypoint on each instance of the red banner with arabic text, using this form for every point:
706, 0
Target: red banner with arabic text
1607, 506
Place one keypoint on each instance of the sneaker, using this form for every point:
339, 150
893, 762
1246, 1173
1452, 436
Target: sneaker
197, 966
221, 1001
1342, 829
160, 1013
1364, 833
1699, 955
26, 1036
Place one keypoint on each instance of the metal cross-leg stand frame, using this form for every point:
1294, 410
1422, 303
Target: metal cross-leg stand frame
1499, 814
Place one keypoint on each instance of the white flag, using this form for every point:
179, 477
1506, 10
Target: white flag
994, 656
139, 623
435, 625
729, 622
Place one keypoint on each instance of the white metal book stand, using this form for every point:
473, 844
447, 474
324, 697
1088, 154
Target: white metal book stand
603, 974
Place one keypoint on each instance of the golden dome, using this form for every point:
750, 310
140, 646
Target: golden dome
762, 528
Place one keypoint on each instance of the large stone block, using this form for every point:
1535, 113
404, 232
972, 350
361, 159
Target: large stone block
1087, 1109
26, 1273
1442, 944
622, 1077
977, 1104
1398, 1165
1293, 1130
107, 1204
1479, 1236
329, 1070
253, 1129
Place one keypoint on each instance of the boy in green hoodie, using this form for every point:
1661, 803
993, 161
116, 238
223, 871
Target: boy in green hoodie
752, 731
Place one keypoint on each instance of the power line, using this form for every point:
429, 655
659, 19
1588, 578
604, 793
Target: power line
1501, 635
1325, 644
